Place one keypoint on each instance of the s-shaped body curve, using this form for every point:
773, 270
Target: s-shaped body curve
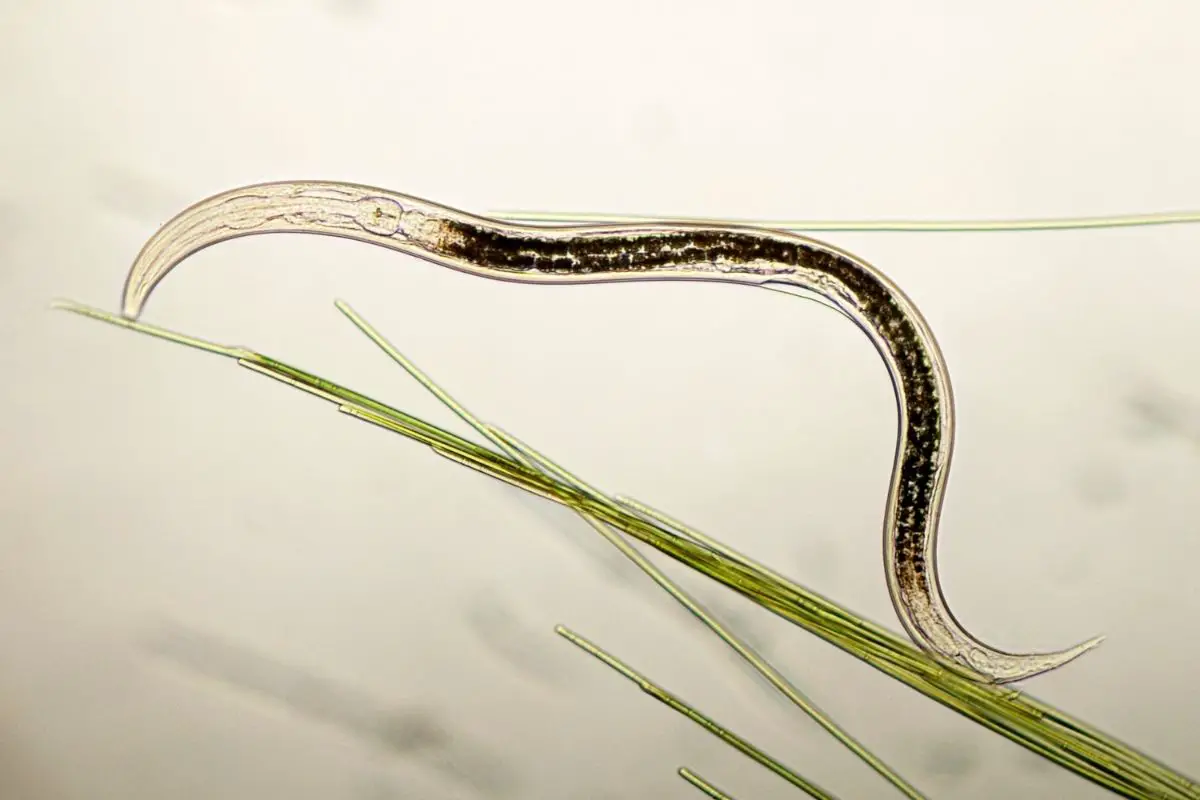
659, 251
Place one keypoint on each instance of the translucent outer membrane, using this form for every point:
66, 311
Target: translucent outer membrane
659, 251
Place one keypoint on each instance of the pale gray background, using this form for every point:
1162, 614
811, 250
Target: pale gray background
215, 587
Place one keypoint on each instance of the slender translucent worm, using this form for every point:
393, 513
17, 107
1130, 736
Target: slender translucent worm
660, 251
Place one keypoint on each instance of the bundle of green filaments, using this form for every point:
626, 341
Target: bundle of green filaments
1038, 727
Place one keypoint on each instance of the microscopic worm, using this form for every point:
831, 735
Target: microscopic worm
660, 251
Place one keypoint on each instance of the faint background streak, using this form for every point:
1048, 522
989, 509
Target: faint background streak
403, 732
1161, 413
356, 618
136, 197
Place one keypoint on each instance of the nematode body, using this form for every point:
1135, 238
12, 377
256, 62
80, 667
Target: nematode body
659, 251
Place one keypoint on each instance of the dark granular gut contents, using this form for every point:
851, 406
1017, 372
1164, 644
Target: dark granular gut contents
640, 252
745, 251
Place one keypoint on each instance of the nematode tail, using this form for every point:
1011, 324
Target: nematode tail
659, 251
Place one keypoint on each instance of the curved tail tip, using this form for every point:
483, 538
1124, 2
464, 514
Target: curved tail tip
1052, 661
1072, 653
998, 667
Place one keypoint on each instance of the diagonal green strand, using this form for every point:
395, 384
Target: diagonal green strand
675, 703
141, 327
703, 785
865, 627
426, 382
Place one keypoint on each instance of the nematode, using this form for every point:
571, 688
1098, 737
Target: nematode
659, 251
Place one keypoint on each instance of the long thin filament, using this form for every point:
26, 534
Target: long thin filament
872, 226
